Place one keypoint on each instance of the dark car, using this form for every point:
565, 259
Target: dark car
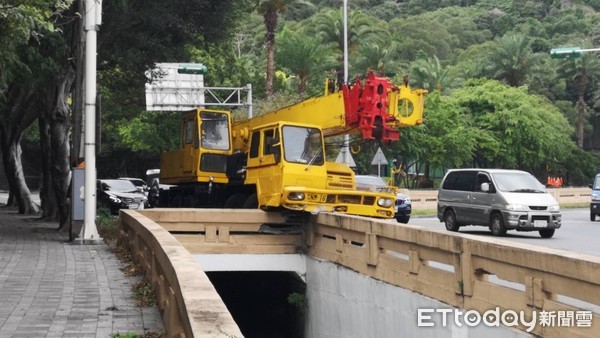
403, 208
116, 194
376, 183
139, 183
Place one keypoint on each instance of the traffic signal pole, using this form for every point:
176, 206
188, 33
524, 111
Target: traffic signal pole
570, 52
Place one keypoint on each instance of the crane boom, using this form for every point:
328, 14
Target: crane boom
376, 108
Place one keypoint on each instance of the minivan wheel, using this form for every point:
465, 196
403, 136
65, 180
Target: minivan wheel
497, 225
450, 221
547, 233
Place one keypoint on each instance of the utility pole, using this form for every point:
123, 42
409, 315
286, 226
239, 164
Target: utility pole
93, 18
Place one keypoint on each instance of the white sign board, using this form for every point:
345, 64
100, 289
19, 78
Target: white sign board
168, 90
379, 158
340, 159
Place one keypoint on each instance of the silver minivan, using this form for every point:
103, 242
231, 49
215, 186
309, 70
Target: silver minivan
499, 199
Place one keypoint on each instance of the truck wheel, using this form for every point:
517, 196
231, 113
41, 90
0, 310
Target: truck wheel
235, 201
497, 225
251, 202
547, 233
592, 217
450, 221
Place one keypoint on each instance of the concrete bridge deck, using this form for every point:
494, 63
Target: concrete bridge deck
458, 271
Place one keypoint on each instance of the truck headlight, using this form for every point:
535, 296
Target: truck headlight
385, 202
517, 207
595, 197
114, 199
296, 196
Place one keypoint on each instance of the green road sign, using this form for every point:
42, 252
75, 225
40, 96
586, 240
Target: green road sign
192, 68
566, 53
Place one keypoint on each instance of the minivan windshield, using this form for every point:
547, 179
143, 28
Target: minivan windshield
517, 182
596, 185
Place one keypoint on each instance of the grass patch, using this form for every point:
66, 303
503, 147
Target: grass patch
143, 293
135, 335
107, 225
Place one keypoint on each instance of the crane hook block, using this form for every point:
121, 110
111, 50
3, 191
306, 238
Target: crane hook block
379, 108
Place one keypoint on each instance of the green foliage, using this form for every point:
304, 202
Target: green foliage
298, 300
517, 130
125, 335
304, 55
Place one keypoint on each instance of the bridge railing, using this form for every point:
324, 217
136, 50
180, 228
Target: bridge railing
190, 306
427, 199
466, 271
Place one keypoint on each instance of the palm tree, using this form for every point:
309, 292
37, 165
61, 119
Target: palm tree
513, 60
330, 26
377, 56
428, 73
270, 10
303, 55
581, 72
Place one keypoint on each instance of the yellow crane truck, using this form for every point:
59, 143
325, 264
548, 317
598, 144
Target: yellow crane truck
276, 161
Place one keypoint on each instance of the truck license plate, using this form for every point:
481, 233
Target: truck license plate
540, 223
133, 206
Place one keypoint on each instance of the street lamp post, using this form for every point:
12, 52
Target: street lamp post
93, 9
346, 148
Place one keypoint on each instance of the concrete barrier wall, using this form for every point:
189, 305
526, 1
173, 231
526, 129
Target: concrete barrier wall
427, 199
460, 270
189, 303
343, 303
465, 271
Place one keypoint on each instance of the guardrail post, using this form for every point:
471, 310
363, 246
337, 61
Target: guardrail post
373, 249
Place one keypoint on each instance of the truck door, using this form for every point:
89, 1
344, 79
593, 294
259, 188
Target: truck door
263, 166
190, 144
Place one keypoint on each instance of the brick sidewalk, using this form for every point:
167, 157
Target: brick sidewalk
52, 288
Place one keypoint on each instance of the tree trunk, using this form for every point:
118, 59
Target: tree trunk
581, 84
18, 113
49, 204
11, 155
54, 132
270, 18
302, 83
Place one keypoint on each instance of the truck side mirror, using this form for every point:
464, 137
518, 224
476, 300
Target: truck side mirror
276, 149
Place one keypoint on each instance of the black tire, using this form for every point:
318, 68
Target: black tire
547, 233
154, 195
450, 221
251, 202
403, 219
497, 225
592, 217
235, 201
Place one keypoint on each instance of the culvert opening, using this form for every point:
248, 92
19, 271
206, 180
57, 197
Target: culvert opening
264, 304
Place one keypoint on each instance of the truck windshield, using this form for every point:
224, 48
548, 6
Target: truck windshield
215, 131
517, 182
303, 145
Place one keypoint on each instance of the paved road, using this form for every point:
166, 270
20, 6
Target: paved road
577, 233
54, 289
